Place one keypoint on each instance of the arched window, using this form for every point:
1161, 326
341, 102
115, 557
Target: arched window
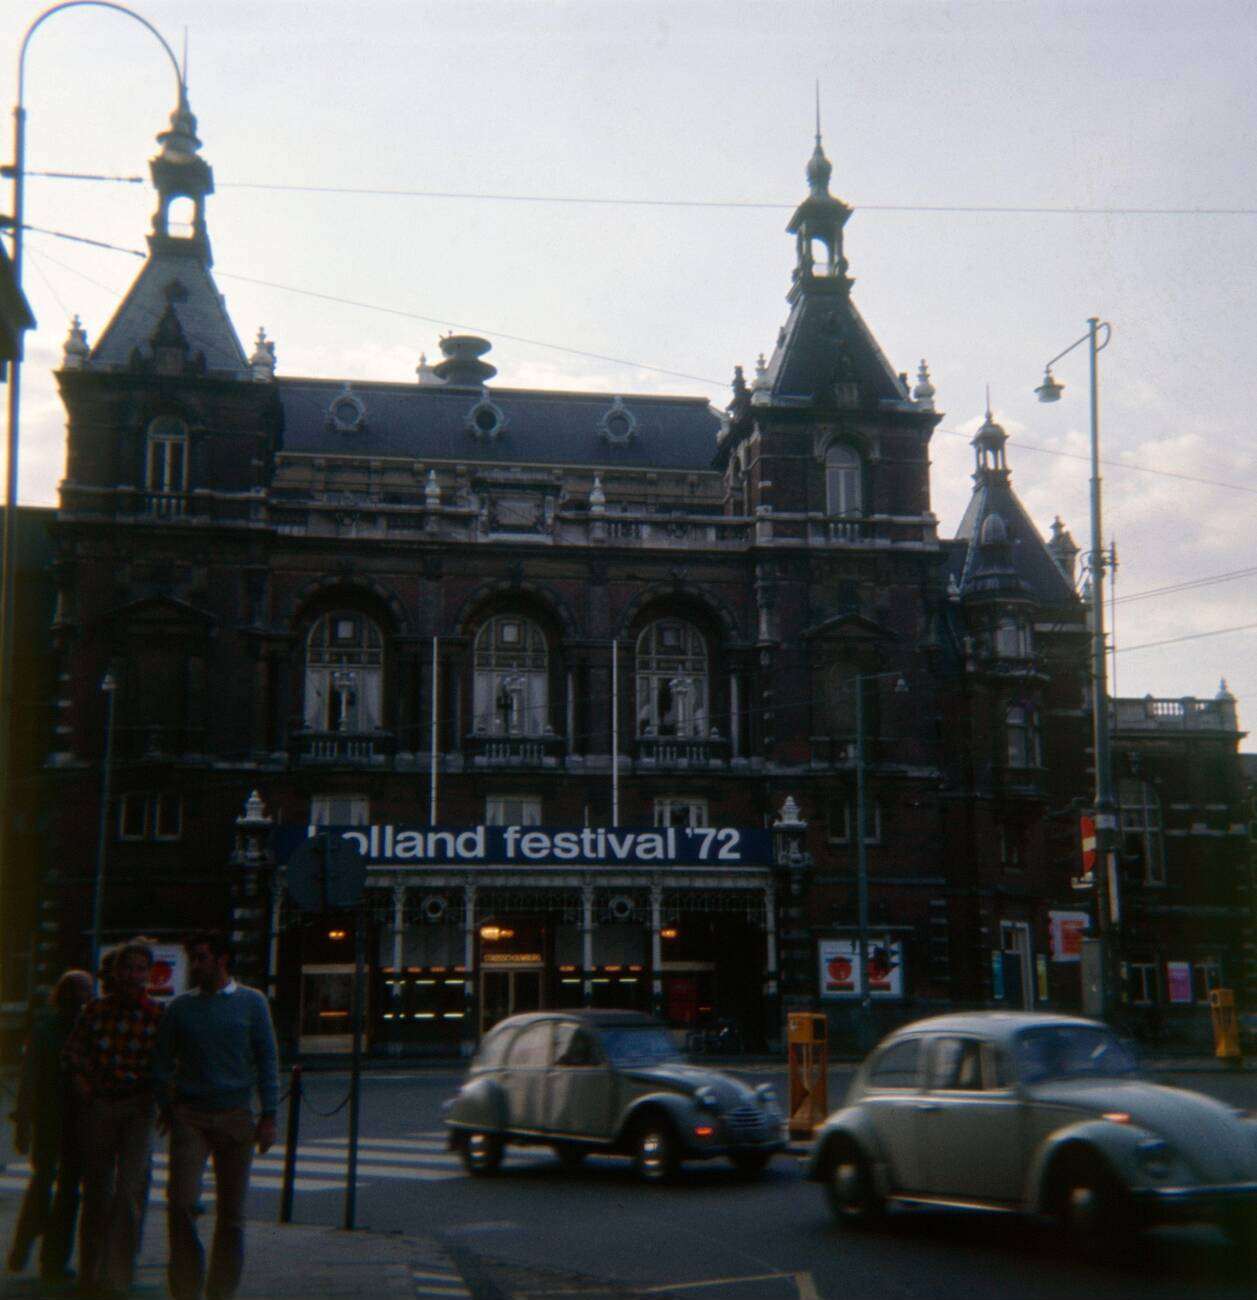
672, 680
1141, 828
512, 680
842, 480
344, 674
1022, 727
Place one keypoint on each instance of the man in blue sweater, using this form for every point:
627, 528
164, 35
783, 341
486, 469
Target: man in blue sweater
216, 1045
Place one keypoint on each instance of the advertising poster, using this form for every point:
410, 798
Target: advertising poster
169, 975
1178, 981
1065, 934
840, 968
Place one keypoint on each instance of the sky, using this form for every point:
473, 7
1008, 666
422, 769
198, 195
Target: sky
682, 128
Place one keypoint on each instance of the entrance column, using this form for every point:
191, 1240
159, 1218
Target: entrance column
470, 1026
656, 949
399, 925
587, 944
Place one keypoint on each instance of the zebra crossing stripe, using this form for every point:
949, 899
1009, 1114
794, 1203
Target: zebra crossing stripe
443, 1282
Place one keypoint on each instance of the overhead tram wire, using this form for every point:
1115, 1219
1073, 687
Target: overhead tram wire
601, 356
949, 209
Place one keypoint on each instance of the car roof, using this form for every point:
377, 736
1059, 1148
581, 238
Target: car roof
600, 1018
990, 1024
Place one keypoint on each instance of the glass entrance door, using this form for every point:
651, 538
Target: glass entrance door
507, 992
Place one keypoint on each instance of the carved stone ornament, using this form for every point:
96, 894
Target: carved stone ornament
486, 421
618, 425
347, 413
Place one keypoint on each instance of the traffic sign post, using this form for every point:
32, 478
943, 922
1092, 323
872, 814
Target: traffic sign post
326, 874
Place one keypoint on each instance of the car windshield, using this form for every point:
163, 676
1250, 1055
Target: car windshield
1071, 1052
639, 1045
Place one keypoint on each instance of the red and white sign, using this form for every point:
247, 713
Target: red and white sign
168, 975
840, 968
1066, 931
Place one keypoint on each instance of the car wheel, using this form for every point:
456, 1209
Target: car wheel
1089, 1204
852, 1195
654, 1151
570, 1154
750, 1164
481, 1152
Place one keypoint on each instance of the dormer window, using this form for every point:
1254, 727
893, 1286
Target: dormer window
843, 495
166, 466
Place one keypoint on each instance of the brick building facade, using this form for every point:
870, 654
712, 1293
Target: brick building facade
605, 638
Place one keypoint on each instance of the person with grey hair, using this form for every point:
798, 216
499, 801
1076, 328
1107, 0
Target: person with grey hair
46, 1131
109, 1056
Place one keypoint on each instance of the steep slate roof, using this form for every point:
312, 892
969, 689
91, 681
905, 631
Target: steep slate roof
825, 341
540, 428
993, 494
182, 282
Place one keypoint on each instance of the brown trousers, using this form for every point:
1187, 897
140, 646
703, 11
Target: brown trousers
117, 1137
195, 1136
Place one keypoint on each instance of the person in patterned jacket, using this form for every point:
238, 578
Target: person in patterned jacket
109, 1059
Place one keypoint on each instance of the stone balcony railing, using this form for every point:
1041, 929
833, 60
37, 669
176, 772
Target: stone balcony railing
1186, 714
379, 517
343, 748
692, 752
517, 751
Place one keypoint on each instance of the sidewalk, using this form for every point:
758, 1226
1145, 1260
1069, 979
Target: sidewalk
283, 1262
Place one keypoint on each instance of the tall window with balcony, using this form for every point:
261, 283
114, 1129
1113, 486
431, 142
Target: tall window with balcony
166, 467
1141, 829
512, 678
844, 496
344, 685
672, 681
1021, 726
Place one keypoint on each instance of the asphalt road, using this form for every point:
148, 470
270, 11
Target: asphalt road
534, 1228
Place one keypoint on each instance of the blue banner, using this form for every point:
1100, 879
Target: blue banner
389, 845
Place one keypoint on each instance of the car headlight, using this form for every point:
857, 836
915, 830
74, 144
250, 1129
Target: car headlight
706, 1097
1155, 1157
767, 1095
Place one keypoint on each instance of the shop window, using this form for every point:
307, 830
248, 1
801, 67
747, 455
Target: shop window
143, 816
1021, 726
680, 812
1142, 982
672, 680
1206, 976
841, 818
843, 494
511, 687
344, 674
1142, 842
512, 810
340, 810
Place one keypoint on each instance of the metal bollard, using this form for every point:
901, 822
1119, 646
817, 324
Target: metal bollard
290, 1145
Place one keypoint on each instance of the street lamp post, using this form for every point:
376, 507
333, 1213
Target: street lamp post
110, 688
8, 547
1108, 900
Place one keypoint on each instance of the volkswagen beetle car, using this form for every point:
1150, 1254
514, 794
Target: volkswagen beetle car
612, 1081
1038, 1114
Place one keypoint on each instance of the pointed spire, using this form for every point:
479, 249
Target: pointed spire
597, 497
179, 141
426, 374
432, 491
262, 362
74, 351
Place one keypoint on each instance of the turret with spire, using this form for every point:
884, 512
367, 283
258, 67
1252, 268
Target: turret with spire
179, 172
817, 223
